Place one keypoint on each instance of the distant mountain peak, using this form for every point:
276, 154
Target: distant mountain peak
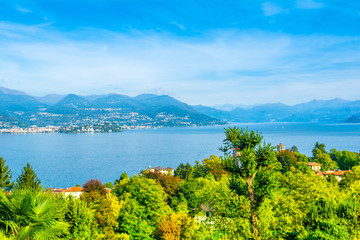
11, 91
144, 96
73, 101
50, 99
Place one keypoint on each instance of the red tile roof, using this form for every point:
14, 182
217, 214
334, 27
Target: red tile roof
313, 164
340, 173
59, 190
335, 173
74, 189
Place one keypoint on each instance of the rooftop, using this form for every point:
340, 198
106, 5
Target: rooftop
313, 164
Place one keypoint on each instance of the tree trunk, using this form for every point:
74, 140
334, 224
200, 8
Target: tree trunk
253, 216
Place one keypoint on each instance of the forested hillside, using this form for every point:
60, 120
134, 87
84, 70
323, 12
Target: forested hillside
253, 191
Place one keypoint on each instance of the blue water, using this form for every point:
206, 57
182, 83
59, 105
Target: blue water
64, 160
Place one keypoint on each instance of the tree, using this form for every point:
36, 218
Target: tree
325, 160
345, 159
184, 171
31, 214
350, 177
93, 190
109, 185
294, 149
175, 226
321, 156
143, 203
105, 206
169, 183
80, 217
27, 179
287, 159
323, 222
214, 166
252, 159
196, 192
5, 176
122, 177
180, 171
301, 157
106, 215
319, 147
198, 170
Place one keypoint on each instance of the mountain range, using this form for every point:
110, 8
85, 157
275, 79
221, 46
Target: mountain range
145, 110
326, 111
149, 110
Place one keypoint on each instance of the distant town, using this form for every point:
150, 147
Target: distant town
96, 128
22, 113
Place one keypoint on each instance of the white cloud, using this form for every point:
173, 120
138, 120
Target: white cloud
308, 4
271, 9
228, 66
182, 27
22, 9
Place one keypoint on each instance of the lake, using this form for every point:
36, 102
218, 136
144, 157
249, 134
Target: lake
64, 160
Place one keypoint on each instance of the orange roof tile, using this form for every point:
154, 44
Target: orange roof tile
74, 189
59, 190
313, 164
340, 173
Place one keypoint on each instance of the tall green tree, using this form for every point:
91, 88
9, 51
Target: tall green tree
5, 176
345, 159
321, 156
287, 159
318, 148
253, 158
27, 178
184, 171
294, 149
80, 217
122, 177
144, 202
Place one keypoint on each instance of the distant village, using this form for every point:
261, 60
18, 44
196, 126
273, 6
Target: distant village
92, 128
316, 167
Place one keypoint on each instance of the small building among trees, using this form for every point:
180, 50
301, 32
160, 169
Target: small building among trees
338, 174
166, 171
280, 147
314, 166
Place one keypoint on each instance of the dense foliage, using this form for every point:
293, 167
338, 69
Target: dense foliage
252, 192
5, 176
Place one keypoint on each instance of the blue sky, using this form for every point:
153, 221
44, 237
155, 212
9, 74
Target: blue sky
201, 52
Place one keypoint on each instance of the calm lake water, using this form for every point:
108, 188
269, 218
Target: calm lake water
64, 160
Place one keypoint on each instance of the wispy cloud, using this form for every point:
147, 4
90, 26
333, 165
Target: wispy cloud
182, 27
227, 66
22, 9
308, 4
271, 9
